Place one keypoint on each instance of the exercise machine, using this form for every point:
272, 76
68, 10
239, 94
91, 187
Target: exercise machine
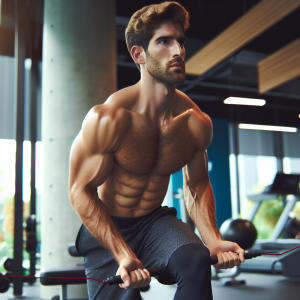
287, 186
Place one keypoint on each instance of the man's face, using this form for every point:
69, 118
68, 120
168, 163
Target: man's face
165, 55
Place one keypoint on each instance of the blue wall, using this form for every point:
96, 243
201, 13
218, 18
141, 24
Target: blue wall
177, 183
218, 156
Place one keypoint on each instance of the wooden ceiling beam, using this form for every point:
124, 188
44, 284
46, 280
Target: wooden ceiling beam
279, 67
258, 19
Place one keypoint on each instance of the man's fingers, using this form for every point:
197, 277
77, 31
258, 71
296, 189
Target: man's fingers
234, 259
135, 278
241, 253
148, 275
227, 260
127, 280
143, 278
237, 261
222, 261
230, 260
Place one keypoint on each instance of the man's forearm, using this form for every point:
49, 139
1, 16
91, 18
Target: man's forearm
200, 204
98, 221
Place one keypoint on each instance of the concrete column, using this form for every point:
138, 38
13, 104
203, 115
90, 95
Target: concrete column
79, 71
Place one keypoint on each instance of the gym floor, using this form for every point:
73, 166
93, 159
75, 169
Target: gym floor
258, 286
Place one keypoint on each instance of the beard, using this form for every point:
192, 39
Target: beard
163, 74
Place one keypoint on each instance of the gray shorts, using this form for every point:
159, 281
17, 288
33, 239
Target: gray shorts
153, 238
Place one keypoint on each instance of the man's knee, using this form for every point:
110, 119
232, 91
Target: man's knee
190, 262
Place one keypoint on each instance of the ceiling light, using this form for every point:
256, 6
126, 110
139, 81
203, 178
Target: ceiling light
267, 127
245, 101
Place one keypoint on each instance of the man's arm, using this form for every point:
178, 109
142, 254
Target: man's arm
199, 198
200, 202
91, 161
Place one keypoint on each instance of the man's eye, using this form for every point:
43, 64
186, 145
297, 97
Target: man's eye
163, 42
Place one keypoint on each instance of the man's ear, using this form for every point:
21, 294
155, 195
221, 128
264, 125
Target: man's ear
138, 55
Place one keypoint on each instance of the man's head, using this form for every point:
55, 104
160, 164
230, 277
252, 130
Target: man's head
158, 31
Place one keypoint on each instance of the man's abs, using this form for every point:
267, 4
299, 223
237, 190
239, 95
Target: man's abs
127, 195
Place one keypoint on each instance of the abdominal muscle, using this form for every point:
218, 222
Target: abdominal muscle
126, 195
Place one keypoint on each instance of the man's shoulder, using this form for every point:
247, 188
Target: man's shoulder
199, 122
186, 105
105, 126
103, 118
116, 108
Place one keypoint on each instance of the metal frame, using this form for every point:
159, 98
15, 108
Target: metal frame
19, 94
284, 217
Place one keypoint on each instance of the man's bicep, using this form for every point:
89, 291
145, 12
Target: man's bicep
86, 168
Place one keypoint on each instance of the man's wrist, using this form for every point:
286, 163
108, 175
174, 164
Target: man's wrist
121, 257
213, 240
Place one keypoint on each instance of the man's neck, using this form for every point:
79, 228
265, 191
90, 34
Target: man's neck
156, 99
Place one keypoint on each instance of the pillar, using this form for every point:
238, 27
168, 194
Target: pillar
79, 71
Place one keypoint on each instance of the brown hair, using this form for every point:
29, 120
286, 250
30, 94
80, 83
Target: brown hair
143, 23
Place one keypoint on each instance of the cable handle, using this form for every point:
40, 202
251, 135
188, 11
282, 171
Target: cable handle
247, 255
153, 272
163, 269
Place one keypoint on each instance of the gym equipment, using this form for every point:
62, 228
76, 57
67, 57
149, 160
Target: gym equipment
283, 184
239, 231
31, 242
290, 264
4, 284
78, 271
292, 228
8, 277
214, 259
76, 275
8, 264
68, 273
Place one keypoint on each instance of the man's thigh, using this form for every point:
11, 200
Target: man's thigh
164, 237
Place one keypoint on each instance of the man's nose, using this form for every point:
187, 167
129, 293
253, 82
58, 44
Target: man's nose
178, 50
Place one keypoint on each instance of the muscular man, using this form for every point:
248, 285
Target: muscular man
120, 166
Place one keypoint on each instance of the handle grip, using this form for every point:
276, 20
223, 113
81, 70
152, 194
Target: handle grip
163, 269
153, 272
247, 255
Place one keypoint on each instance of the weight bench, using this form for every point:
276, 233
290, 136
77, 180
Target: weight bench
78, 271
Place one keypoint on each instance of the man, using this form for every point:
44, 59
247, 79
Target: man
120, 166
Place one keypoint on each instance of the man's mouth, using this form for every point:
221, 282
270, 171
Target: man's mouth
177, 65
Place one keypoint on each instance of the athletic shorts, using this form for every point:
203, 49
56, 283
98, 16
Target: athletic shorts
152, 237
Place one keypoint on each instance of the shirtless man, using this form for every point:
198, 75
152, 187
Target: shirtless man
120, 166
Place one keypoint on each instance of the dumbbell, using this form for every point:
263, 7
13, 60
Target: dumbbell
9, 265
4, 284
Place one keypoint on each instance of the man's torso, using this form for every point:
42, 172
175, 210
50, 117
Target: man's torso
143, 162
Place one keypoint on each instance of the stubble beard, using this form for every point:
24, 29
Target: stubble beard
163, 74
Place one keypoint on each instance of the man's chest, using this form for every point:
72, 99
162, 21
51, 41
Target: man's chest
162, 151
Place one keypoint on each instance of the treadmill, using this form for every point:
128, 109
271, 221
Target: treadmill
287, 185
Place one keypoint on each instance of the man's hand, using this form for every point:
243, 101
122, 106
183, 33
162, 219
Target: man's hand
133, 273
229, 254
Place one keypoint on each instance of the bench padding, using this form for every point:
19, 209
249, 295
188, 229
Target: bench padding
63, 272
